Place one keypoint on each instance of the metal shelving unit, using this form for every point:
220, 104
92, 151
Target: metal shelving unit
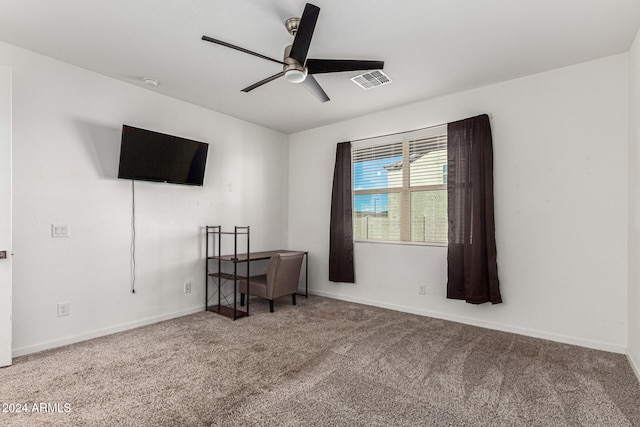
221, 294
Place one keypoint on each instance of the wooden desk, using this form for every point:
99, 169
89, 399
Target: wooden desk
258, 256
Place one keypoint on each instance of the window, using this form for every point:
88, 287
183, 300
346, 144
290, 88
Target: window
400, 187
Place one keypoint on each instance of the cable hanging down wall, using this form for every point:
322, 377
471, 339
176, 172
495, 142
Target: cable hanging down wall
132, 262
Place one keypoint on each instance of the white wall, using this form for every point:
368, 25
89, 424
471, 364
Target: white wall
66, 140
560, 149
634, 204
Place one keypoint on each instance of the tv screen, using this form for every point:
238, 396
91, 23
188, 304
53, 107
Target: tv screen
153, 156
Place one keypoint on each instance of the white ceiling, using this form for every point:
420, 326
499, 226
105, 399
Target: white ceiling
430, 47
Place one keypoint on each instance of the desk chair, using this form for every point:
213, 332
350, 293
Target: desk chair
283, 273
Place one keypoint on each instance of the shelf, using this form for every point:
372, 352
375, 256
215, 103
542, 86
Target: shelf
226, 311
228, 232
230, 258
215, 278
228, 276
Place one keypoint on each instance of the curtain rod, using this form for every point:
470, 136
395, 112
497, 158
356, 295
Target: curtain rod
406, 131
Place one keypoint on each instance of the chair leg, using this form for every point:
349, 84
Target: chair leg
242, 300
271, 305
293, 298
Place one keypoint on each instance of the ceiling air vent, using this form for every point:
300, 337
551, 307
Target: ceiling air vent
371, 79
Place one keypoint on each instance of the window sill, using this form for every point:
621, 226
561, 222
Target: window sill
389, 242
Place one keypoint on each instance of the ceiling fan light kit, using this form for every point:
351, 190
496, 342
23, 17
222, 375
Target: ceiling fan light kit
296, 67
295, 75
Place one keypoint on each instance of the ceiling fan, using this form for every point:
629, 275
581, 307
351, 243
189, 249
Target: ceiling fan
297, 68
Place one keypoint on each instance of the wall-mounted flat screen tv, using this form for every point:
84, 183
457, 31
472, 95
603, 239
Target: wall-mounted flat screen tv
152, 156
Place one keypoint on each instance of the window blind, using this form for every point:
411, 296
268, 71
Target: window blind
428, 161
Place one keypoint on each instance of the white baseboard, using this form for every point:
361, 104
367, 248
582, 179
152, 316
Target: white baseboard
102, 332
635, 365
597, 345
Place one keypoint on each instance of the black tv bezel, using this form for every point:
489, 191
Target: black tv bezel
166, 137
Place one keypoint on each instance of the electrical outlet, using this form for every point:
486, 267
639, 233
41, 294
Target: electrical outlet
60, 230
187, 287
422, 289
63, 309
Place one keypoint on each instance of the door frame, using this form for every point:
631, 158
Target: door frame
5, 216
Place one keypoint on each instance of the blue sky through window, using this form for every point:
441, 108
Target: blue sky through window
369, 175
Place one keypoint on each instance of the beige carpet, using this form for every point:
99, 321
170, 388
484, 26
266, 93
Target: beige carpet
324, 363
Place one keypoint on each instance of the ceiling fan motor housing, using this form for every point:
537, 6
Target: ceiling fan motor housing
293, 70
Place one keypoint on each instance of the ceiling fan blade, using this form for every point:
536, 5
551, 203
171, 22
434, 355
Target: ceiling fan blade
312, 85
261, 82
241, 49
302, 40
318, 66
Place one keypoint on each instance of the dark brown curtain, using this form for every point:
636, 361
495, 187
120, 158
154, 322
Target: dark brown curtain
472, 267
341, 228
